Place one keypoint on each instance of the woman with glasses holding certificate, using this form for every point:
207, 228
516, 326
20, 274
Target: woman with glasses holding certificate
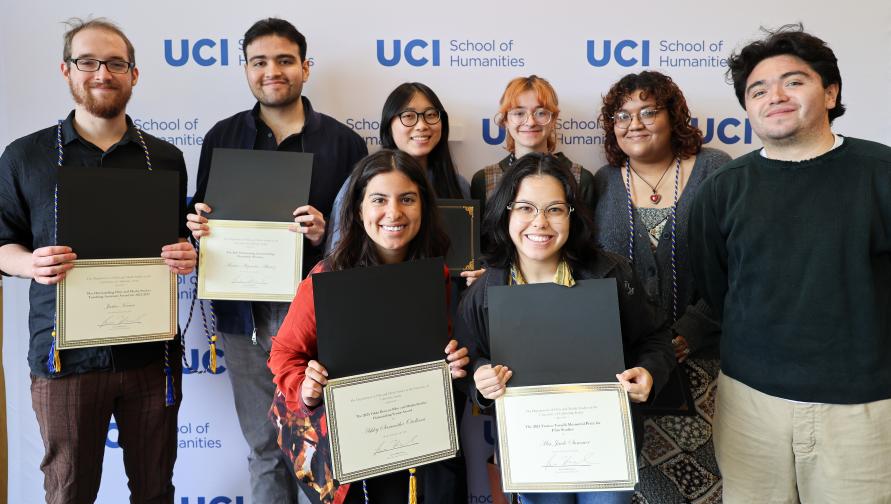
528, 111
540, 233
389, 217
656, 163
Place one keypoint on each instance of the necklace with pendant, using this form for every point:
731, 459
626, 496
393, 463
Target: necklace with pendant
655, 197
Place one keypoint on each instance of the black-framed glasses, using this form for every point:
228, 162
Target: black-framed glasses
409, 118
646, 116
114, 66
540, 116
555, 212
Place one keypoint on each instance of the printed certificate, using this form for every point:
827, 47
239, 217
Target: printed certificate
249, 261
391, 420
566, 438
116, 301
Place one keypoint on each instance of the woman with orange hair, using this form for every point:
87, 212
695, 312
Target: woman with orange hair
528, 112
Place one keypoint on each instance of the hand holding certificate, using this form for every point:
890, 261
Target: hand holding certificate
247, 251
566, 438
558, 431
258, 261
119, 291
388, 392
390, 420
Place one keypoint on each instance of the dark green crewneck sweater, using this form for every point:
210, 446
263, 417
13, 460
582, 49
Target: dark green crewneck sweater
796, 259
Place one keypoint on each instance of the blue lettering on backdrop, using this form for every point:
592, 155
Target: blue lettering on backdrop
408, 53
720, 131
618, 53
205, 362
201, 57
213, 500
109, 442
487, 133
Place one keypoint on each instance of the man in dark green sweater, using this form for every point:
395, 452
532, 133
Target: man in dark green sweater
791, 246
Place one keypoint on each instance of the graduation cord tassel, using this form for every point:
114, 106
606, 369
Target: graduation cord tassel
211, 336
53, 360
170, 396
412, 486
365, 491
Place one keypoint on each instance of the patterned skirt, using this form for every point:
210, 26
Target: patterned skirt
677, 463
304, 440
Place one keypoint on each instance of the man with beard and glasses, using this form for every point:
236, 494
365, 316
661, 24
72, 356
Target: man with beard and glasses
75, 397
276, 69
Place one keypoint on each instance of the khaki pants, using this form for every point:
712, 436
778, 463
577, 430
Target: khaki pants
773, 450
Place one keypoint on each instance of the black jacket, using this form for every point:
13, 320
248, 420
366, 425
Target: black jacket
335, 148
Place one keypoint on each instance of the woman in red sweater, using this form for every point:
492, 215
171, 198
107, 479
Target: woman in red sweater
389, 216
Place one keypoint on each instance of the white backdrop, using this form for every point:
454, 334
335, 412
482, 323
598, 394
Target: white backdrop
466, 51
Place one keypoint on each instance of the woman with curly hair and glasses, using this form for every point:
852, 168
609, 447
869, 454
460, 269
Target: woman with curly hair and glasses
656, 164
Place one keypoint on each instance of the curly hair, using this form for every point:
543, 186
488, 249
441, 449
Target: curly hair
355, 248
792, 40
686, 139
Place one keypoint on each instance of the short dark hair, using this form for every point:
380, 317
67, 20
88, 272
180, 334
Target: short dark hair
355, 249
277, 27
686, 139
790, 39
579, 248
445, 179
76, 25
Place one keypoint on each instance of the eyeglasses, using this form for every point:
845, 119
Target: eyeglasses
409, 118
646, 116
527, 212
115, 66
540, 116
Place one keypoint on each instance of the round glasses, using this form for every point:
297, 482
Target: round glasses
518, 116
646, 116
115, 66
527, 212
409, 118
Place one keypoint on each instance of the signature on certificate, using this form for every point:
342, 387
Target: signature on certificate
122, 320
570, 459
395, 444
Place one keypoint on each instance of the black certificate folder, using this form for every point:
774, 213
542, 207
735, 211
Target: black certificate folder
550, 334
258, 185
106, 213
380, 317
461, 219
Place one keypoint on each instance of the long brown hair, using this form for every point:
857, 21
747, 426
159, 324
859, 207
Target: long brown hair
355, 249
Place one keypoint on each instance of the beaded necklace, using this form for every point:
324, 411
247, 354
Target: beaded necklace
54, 362
672, 216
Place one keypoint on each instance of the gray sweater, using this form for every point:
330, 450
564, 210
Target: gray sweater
653, 269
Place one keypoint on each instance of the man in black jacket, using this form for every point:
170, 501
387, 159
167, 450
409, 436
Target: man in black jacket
791, 246
276, 69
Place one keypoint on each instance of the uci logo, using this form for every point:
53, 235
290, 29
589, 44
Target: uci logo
205, 362
487, 133
414, 52
205, 52
726, 130
213, 500
626, 53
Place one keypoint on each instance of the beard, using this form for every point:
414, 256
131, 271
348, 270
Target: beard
107, 107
